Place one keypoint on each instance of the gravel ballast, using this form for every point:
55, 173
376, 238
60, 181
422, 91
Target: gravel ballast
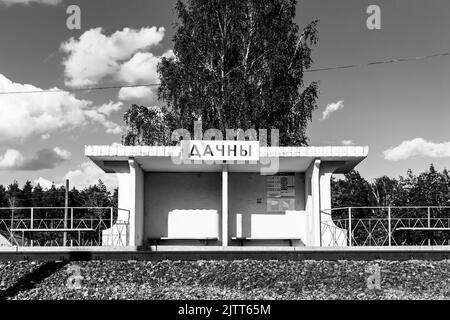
243, 279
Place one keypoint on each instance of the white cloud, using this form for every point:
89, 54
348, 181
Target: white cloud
113, 128
95, 56
88, 174
142, 67
137, 94
332, 107
348, 142
417, 147
85, 175
123, 57
45, 136
26, 2
43, 159
10, 159
109, 108
110, 126
45, 112
44, 183
63, 154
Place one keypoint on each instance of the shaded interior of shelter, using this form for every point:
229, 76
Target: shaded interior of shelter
189, 204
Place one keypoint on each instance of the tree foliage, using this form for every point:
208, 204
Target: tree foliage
237, 64
13, 198
411, 193
429, 188
352, 191
28, 196
147, 126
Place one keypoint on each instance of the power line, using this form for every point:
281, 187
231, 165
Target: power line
381, 62
82, 89
351, 66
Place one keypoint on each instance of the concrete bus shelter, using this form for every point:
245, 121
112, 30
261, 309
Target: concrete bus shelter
227, 203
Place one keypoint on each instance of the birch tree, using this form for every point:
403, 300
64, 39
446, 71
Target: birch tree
240, 64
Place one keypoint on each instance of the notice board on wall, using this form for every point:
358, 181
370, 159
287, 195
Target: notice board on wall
280, 192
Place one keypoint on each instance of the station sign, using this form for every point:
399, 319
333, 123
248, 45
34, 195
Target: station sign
220, 150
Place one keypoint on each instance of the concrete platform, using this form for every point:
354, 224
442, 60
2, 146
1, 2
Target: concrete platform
226, 253
294, 249
66, 249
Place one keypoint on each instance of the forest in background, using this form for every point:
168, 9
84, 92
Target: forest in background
429, 188
97, 195
36, 196
408, 198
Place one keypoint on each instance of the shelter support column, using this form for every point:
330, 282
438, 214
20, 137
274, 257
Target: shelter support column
312, 197
225, 205
131, 197
320, 229
331, 235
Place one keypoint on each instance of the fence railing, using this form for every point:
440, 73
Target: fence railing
64, 226
386, 226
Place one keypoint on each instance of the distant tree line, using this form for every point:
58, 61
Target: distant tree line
429, 188
13, 196
96, 195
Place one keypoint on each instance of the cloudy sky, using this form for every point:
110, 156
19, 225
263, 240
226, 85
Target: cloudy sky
399, 110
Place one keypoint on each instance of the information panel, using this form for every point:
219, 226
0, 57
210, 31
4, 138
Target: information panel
280, 192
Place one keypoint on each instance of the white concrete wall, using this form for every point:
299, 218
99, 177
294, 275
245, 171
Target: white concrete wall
173, 199
120, 233
312, 195
131, 200
193, 224
176, 205
137, 176
248, 218
331, 235
318, 204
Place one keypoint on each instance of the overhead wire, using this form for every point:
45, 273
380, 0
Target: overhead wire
351, 66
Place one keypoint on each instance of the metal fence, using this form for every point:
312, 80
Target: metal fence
386, 226
64, 226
